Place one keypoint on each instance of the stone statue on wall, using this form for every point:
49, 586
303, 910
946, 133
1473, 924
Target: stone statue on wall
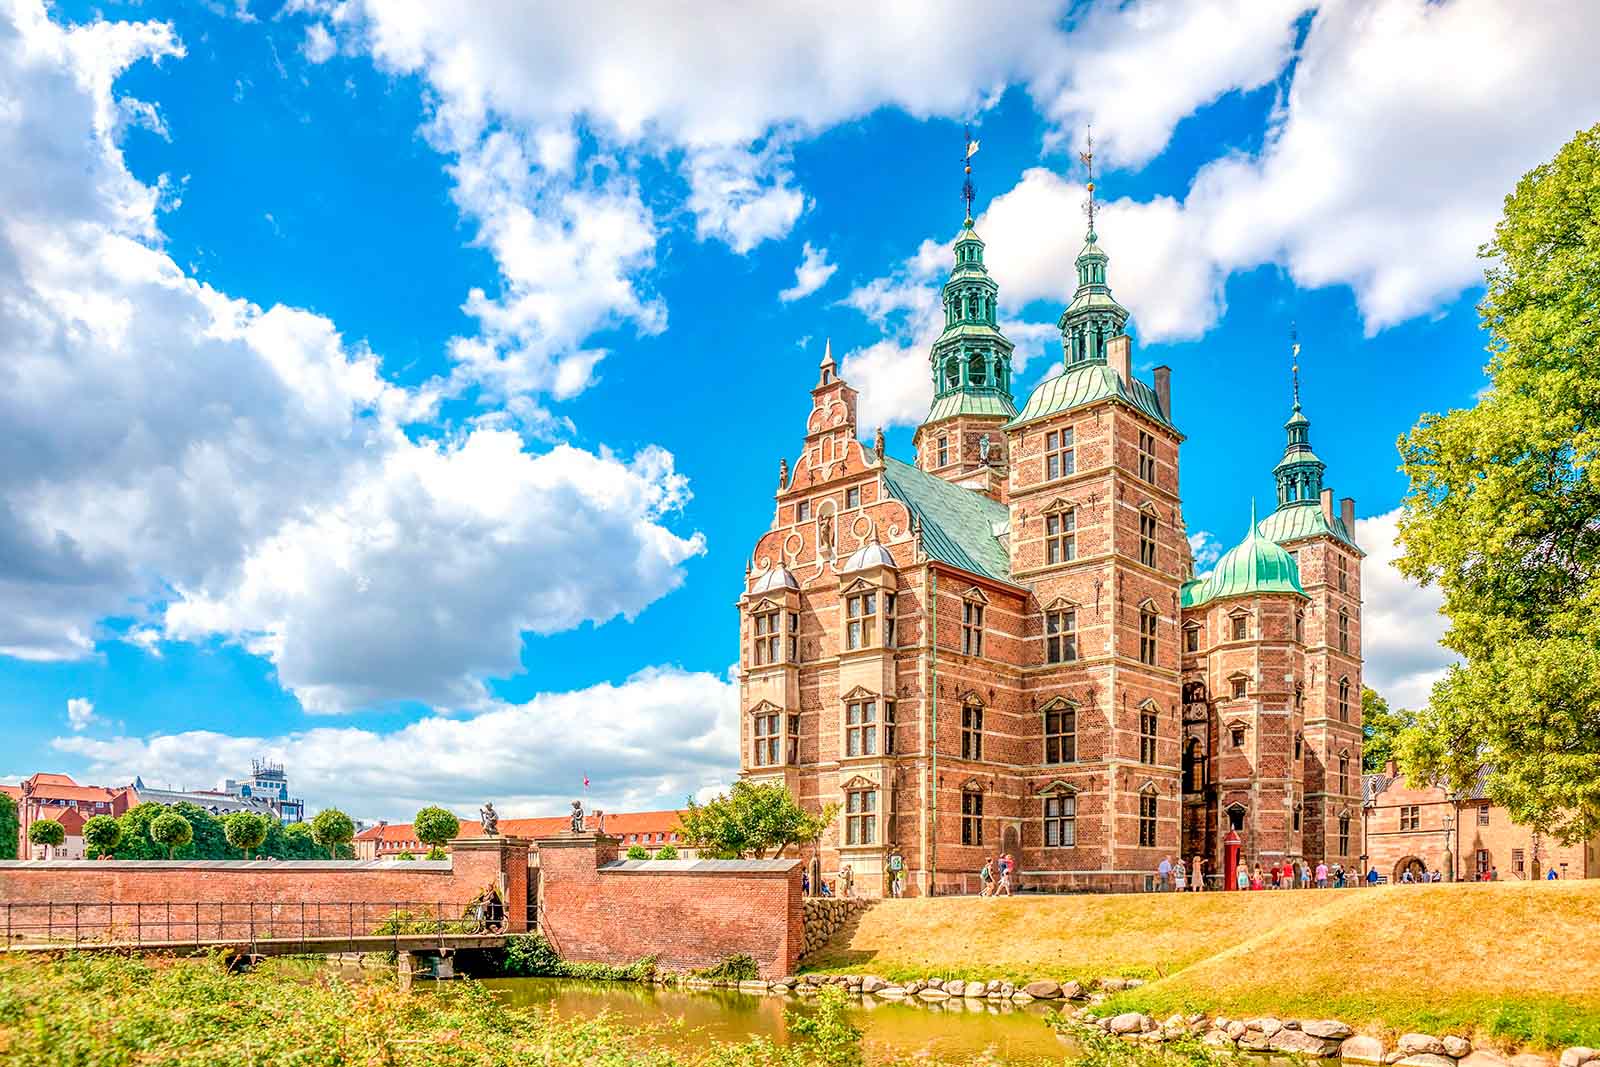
577, 816
599, 821
489, 818
825, 536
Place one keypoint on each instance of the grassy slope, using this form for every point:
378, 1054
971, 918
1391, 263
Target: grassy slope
1515, 960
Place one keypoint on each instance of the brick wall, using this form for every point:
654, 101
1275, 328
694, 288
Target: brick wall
689, 914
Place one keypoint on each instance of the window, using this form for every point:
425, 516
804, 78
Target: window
1517, 859
888, 727
1344, 700
1147, 820
1344, 630
1240, 627
1060, 821
1147, 635
1060, 636
767, 739
861, 817
972, 628
1344, 834
1191, 639
1410, 817
1147, 456
1239, 687
861, 728
794, 638
944, 451
1300, 627
971, 731
1483, 815
1299, 746
1147, 539
1061, 735
1060, 536
766, 643
971, 818
852, 497
1482, 862
1238, 739
1342, 570
859, 612
802, 511
888, 620
1147, 735
1297, 818
1059, 460
1344, 773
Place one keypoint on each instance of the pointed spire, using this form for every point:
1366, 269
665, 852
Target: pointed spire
827, 353
1294, 366
1087, 158
1299, 473
966, 186
1094, 317
829, 369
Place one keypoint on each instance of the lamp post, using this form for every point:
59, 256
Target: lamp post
1368, 802
1449, 853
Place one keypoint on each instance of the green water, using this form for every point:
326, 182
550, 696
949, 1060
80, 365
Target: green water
950, 1030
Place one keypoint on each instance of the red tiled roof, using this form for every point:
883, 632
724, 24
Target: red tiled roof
12, 791
396, 832
46, 786
618, 825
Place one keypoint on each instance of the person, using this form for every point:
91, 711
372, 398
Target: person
1338, 876
1180, 878
805, 883
986, 878
897, 868
1305, 875
1242, 877
1406, 879
1196, 876
1257, 881
1322, 875
825, 890
1494, 874
1004, 888
847, 879
1163, 874
1372, 876
1551, 875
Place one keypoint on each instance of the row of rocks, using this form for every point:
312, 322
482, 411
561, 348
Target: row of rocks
1324, 1038
938, 988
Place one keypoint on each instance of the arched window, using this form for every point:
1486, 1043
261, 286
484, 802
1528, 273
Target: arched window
1194, 766
977, 369
1344, 630
1344, 700
952, 373
1344, 772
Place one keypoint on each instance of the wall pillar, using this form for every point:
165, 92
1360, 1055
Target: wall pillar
501, 862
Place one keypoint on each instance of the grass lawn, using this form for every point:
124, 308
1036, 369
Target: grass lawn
1513, 961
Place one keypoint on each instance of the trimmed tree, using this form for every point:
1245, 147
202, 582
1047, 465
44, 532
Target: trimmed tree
246, 830
171, 831
752, 820
667, 852
10, 827
101, 834
47, 832
435, 827
638, 852
1501, 514
331, 829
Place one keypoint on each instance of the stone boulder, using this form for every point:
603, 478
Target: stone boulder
1072, 990
975, 988
1456, 1047
956, 987
1129, 1022
1330, 1029
1298, 1042
1579, 1056
1360, 1048
932, 994
891, 992
1425, 1059
1235, 1029
1419, 1044
1020, 997
1266, 1024
1217, 1039
871, 983
1043, 989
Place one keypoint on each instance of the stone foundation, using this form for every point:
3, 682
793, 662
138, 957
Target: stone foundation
825, 915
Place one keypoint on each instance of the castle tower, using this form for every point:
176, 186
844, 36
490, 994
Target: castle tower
1323, 546
960, 440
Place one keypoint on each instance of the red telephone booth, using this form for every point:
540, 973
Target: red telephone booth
1230, 861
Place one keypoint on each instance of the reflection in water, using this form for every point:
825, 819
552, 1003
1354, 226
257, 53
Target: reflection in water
951, 1030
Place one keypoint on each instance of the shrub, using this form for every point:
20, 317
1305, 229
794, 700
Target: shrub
408, 856
827, 1033
638, 852
171, 831
531, 956
47, 832
735, 968
101, 834
667, 852
437, 853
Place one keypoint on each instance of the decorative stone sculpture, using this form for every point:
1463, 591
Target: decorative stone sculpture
577, 816
983, 450
489, 818
599, 821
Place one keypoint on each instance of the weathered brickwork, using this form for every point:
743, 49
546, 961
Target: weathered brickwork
1022, 600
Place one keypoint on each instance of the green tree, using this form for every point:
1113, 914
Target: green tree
752, 820
435, 827
10, 827
667, 852
437, 853
101, 834
47, 832
638, 852
171, 831
405, 855
1503, 513
246, 830
1381, 729
332, 829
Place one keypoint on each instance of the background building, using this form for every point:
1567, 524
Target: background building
649, 829
269, 782
1002, 646
57, 796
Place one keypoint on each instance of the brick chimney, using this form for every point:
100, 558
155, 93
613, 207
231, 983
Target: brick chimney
1347, 512
1327, 506
1164, 390
1119, 354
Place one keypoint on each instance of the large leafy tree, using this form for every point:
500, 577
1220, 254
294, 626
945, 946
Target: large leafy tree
436, 827
246, 830
171, 831
333, 830
1503, 514
101, 834
752, 820
10, 827
47, 832
1381, 728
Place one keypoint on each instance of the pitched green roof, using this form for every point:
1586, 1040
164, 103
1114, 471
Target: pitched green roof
964, 403
958, 525
1087, 383
1302, 519
1254, 566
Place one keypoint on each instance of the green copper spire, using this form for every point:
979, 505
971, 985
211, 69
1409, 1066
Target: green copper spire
1254, 566
1094, 316
971, 360
1299, 473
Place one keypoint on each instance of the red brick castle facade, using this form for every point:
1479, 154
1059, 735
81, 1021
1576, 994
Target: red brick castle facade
1002, 646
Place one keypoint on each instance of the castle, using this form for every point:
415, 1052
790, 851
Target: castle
1001, 647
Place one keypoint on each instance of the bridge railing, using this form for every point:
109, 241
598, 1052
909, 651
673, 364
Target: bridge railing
203, 923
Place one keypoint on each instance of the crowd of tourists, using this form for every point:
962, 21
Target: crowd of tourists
1178, 876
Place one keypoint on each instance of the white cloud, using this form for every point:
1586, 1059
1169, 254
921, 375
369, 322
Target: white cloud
812, 273
646, 743
1400, 621
80, 713
1206, 549
319, 46
742, 197
178, 457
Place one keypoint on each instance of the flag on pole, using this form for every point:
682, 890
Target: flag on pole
586, 781
972, 149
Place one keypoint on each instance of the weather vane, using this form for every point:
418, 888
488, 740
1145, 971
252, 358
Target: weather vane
966, 162
1294, 366
1086, 157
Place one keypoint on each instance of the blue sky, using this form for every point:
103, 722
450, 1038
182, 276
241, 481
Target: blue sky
398, 390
